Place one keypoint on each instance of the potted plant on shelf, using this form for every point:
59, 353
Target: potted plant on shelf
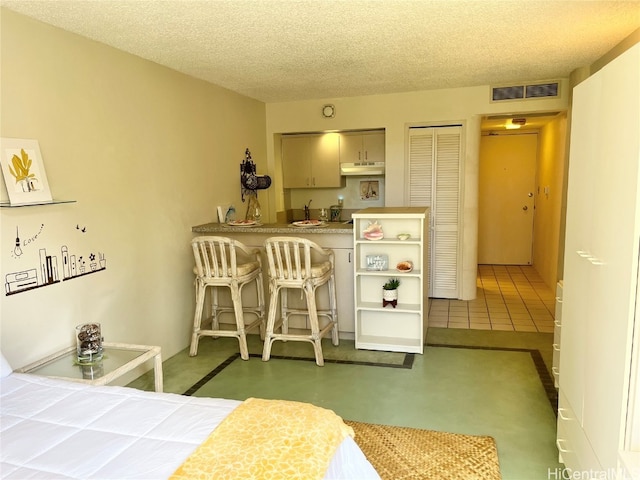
390, 292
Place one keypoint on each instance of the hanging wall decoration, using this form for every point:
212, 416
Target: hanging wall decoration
23, 171
250, 184
249, 181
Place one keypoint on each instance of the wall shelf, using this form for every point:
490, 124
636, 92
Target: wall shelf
34, 204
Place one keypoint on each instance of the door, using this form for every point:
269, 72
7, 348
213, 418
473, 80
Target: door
507, 180
434, 182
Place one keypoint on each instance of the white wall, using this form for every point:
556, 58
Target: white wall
395, 113
146, 153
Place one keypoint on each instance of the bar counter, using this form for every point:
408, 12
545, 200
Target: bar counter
275, 229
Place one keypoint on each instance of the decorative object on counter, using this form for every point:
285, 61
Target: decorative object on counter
390, 292
405, 266
254, 212
230, 216
244, 223
373, 231
23, 171
336, 213
249, 181
324, 215
309, 223
377, 262
89, 343
404, 236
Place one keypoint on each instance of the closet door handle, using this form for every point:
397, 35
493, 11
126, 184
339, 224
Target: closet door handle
556, 347
583, 253
562, 416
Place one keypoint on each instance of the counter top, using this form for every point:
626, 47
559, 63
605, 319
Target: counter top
275, 228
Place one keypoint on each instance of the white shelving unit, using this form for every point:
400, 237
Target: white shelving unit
403, 328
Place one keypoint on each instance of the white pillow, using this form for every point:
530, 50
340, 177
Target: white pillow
5, 368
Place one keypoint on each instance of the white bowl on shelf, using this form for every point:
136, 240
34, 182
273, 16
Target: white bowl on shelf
404, 236
405, 266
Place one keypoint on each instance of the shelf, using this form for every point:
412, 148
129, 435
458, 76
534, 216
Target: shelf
412, 241
389, 273
391, 344
401, 307
52, 202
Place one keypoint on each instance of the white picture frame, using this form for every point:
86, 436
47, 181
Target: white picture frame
24, 175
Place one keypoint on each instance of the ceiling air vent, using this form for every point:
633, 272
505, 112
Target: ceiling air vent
526, 91
542, 90
508, 93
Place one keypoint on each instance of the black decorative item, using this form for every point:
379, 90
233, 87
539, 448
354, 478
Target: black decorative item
249, 181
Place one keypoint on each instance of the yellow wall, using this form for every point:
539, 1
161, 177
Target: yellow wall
550, 173
146, 153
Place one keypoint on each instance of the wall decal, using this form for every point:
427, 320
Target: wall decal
17, 251
50, 269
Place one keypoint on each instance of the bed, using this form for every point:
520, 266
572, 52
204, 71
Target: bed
52, 428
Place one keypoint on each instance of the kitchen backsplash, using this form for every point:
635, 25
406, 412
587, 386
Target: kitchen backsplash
358, 193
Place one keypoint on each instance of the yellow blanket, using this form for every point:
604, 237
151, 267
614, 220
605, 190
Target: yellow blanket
268, 440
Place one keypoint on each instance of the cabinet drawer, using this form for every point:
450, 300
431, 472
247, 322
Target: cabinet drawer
574, 447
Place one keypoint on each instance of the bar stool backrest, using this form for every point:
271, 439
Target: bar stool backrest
218, 257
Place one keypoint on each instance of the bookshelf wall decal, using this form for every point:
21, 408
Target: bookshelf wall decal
48, 271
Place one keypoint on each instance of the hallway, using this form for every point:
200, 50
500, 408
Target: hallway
509, 298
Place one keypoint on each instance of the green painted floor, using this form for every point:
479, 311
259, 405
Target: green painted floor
467, 381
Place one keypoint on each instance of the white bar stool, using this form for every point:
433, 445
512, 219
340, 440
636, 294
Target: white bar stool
225, 262
291, 266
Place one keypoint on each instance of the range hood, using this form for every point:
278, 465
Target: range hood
363, 169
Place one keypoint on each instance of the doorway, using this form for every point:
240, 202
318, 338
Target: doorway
506, 198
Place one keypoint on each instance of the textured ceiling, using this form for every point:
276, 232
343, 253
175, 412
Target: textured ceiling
282, 50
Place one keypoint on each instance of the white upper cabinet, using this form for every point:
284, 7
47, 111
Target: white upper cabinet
359, 147
311, 161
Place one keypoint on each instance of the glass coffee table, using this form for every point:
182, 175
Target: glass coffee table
118, 359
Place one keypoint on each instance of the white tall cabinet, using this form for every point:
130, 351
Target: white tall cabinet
601, 271
402, 328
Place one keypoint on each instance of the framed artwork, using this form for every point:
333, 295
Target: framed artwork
23, 171
369, 190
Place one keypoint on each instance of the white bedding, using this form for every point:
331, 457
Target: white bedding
56, 429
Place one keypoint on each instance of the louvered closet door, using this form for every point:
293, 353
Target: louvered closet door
434, 181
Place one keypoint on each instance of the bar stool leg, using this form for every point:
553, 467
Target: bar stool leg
334, 311
260, 293
239, 315
197, 319
271, 320
315, 327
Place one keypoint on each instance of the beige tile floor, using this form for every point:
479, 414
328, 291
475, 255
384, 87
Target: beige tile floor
508, 297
